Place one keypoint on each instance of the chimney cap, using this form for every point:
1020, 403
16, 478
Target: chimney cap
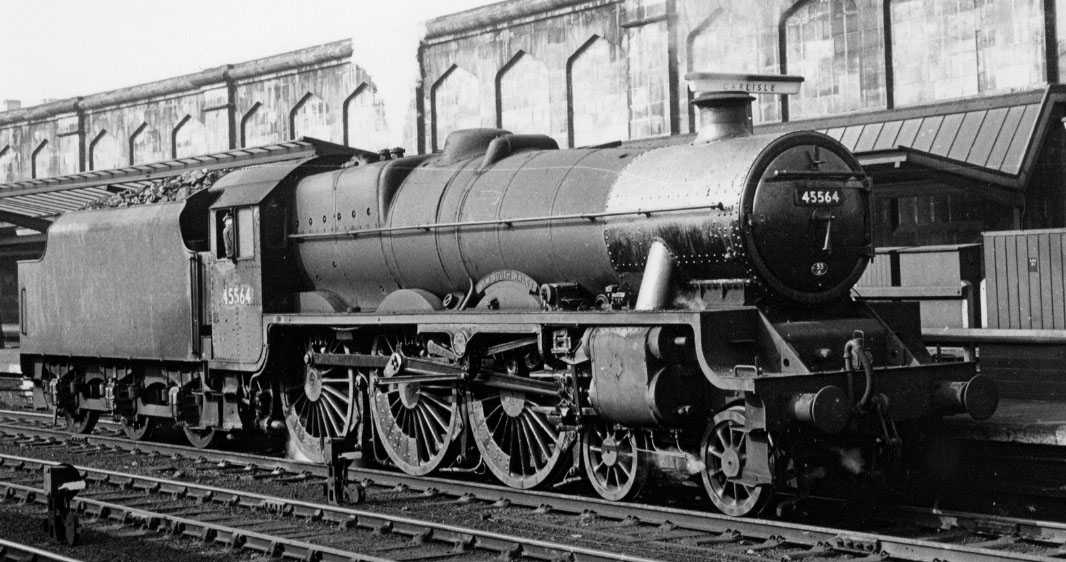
703, 83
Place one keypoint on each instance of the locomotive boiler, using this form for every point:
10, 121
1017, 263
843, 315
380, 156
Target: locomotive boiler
603, 312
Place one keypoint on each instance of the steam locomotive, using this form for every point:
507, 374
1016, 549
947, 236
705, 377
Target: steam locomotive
607, 313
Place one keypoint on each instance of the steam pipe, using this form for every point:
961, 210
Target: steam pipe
655, 284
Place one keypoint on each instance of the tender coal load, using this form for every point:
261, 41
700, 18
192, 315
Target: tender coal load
174, 188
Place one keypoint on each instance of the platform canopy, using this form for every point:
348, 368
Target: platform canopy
33, 203
992, 141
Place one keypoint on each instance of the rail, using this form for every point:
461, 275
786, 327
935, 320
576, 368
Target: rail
726, 533
15, 551
450, 537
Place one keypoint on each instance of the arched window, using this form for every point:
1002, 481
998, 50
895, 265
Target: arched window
839, 52
310, 117
259, 126
523, 96
7, 164
455, 103
67, 154
146, 145
598, 111
943, 50
732, 40
365, 123
42, 161
105, 152
189, 138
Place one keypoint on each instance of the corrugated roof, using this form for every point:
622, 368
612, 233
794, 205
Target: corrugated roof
31, 203
994, 139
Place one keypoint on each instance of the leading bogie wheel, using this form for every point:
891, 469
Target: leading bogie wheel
723, 452
320, 404
616, 459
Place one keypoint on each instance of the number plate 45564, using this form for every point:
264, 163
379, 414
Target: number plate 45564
819, 197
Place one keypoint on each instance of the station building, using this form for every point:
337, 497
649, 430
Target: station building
954, 106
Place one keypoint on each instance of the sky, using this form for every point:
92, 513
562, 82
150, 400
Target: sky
53, 49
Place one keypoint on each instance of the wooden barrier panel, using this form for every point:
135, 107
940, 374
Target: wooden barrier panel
1024, 272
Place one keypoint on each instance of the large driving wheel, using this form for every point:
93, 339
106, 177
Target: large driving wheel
321, 404
417, 423
517, 441
724, 452
617, 460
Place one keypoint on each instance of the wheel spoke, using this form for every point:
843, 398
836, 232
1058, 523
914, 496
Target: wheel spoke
430, 397
433, 415
345, 396
552, 435
336, 421
532, 438
337, 416
544, 447
723, 436
525, 448
434, 437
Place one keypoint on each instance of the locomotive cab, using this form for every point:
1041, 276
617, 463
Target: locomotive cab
248, 260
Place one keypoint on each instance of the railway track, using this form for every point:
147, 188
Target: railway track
17, 552
916, 534
278, 527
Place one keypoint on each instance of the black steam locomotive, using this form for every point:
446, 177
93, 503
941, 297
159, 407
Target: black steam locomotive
615, 311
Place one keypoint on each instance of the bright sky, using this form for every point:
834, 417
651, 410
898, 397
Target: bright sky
64, 48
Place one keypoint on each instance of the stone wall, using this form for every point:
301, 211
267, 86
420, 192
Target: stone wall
583, 71
318, 92
591, 71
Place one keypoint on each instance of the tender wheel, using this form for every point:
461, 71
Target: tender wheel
80, 421
723, 452
321, 404
616, 460
63, 397
417, 423
201, 438
139, 428
518, 443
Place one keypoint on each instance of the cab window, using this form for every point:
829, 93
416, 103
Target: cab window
235, 233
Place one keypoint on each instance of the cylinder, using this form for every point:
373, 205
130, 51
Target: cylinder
655, 284
826, 409
977, 397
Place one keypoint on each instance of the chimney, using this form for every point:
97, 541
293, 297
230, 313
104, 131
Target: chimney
723, 101
11, 105
723, 115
